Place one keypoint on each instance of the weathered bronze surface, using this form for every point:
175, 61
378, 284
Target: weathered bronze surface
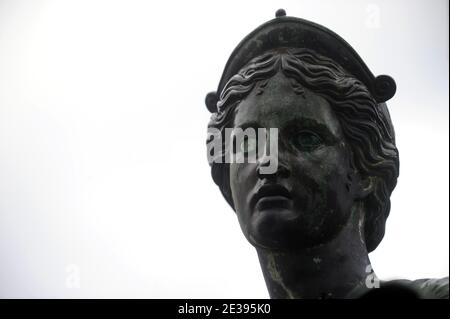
315, 219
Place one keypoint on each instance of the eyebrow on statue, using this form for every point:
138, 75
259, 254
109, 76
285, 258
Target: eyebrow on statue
297, 124
304, 123
251, 124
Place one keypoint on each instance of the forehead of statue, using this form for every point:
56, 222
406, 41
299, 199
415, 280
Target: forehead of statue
281, 101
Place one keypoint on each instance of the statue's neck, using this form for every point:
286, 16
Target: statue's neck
331, 270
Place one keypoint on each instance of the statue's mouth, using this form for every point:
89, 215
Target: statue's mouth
271, 196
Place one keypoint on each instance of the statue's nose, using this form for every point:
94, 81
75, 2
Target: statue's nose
270, 167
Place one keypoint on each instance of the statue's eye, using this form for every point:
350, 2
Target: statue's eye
248, 145
307, 141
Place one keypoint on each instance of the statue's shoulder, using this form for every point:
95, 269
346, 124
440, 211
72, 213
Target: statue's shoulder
432, 288
428, 288
407, 289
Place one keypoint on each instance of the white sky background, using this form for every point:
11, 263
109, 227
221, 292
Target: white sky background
103, 170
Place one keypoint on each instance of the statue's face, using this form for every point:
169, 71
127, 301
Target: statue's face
308, 199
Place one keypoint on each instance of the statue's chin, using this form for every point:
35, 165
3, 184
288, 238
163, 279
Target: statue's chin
277, 229
285, 229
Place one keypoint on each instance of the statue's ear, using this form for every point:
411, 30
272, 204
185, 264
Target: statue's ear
211, 102
364, 186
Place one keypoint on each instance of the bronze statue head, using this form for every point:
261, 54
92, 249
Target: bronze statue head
314, 99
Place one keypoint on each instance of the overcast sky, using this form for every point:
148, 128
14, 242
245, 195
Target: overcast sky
105, 190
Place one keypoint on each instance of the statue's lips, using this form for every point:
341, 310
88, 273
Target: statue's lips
271, 196
269, 202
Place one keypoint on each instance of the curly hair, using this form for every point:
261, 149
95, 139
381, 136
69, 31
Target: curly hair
366, 125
